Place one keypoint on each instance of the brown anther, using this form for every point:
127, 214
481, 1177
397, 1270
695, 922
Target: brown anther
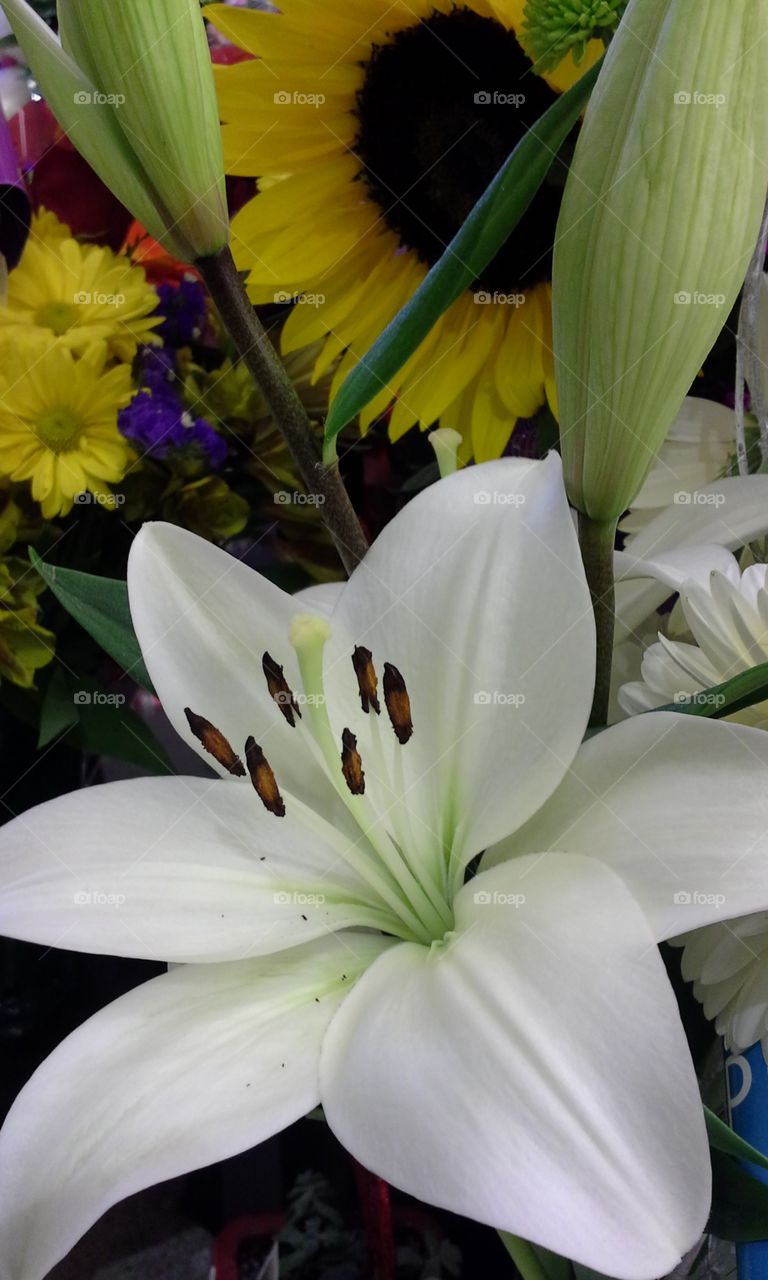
398, 703
362, 661
279, 690
263, 779
213, 741
351, 764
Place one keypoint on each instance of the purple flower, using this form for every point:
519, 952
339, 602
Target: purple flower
185, 310
159, 425
157, 372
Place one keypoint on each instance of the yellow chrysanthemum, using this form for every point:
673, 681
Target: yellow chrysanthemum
373, 127
77, 294
58, 426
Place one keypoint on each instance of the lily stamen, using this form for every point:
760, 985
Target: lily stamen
367, 682
398, 703
279, 690
352, 764
263, 779
213, 741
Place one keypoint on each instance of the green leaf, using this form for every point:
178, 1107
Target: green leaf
100, 605
490, 223
722, 1138
534, 1262
725, 699
106, 729
58, 710
739, 1202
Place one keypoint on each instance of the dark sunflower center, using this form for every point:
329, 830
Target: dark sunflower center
441, 108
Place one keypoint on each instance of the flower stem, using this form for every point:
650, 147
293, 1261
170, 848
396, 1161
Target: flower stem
597, 538
252, 342
523, 1257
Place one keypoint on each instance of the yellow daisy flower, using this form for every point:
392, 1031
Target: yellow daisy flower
373, 127
58, 426
78, 294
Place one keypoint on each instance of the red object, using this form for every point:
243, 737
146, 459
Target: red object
225, 1246
376, 1209
60, 179
161, 267
227, 54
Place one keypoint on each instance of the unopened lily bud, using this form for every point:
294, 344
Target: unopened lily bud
660, 215
131, 84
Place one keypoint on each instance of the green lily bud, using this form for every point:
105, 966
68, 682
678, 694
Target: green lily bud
132, 85
660, 215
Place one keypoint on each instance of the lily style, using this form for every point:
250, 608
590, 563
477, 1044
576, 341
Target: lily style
506, 1044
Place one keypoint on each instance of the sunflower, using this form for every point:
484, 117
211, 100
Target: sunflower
373, 127
58, 426
76, 294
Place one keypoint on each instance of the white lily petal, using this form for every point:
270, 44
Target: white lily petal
204, 621
735, 513
181, 869
496, 667
678, 806
505, 1073
322, 597
192, 1067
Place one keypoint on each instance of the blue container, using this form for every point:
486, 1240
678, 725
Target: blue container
747, 1082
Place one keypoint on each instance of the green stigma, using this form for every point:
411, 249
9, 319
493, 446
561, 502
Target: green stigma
554, 28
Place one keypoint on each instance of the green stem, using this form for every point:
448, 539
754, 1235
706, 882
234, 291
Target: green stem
523, 1257
597, 539
252, 342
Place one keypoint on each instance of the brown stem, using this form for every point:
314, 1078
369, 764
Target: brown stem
252, 342
597, 539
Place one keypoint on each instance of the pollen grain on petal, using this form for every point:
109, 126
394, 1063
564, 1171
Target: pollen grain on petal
367, 682
398, 703
263, 779
213, 741
279, 689
351, 763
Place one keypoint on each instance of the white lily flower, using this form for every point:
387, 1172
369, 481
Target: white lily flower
700, 444
726, 614
508, 1048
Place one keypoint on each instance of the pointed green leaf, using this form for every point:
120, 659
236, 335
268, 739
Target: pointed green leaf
726, 699
100, 605
739, 1202
722, 1138
488, 226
